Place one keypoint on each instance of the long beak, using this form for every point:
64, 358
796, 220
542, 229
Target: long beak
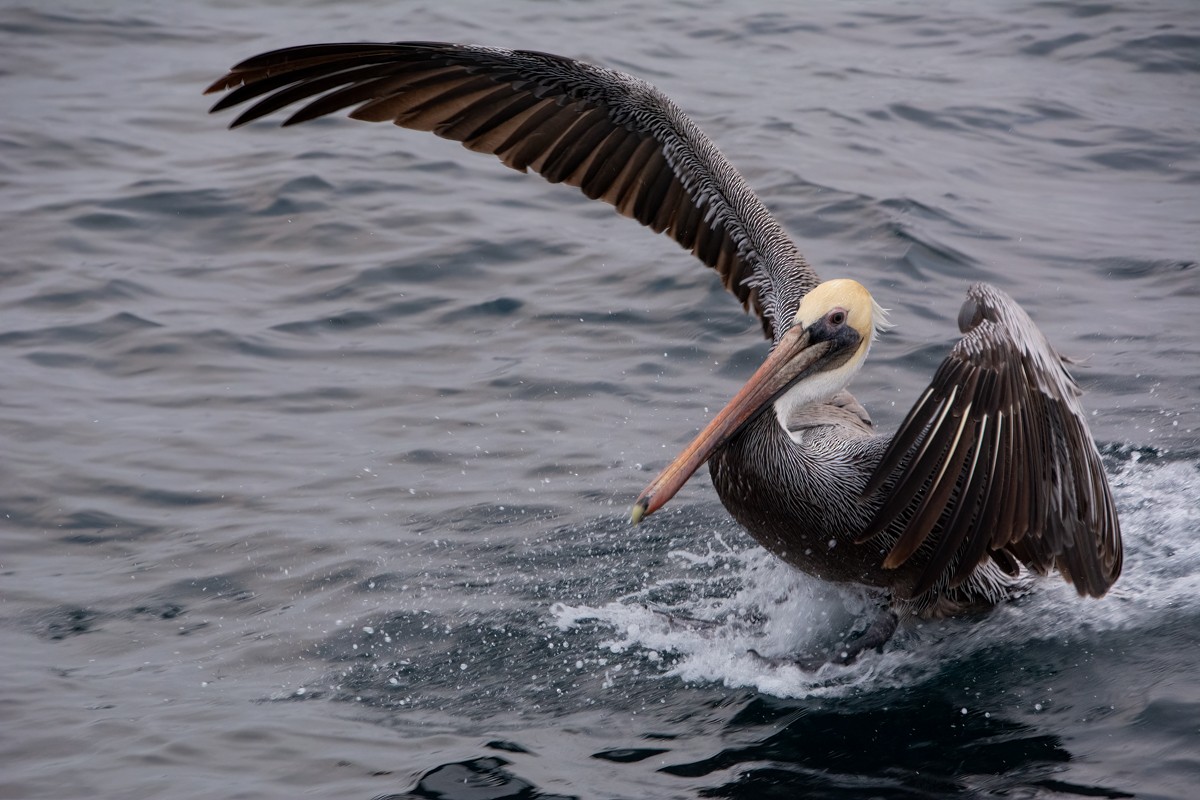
790, 359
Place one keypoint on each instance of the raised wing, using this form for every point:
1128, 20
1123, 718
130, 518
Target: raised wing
614, 136
996, 459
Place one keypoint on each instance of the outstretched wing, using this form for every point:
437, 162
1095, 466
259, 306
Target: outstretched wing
996, 459
615, 137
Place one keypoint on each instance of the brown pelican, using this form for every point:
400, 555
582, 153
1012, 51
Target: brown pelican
992, 469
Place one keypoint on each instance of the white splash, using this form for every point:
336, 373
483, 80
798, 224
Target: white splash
727, 603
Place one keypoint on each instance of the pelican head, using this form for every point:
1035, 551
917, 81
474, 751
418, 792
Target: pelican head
825, 346
863, 314
842, 312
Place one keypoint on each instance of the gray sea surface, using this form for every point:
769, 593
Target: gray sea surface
317, 445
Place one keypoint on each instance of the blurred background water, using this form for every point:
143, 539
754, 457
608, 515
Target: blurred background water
318, 444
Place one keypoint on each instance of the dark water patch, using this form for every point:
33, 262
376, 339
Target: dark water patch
81, 28
903, 751
1136, 159
142, 356
330, 233
93, 526
21, 510
1178, 277
842, 215
60, 360
350, 321
499, 307
482, 778
310, 183
66, 622
69, 621
103, 222
858, 71
885, 18
924, 259
289, 207
159, 497
87, 333
1081, 10
778, 24
226, 342
227, 587
1169, 728
657, 284
190, 606
926, 119
421, 455
347, 321
629, 755
312, 292
1166, 53
996, 120
1046, 47
162, 611
190, 203
1043, 109
908, 208
650, 369
116, 290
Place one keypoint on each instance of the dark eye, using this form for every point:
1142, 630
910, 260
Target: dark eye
837, 318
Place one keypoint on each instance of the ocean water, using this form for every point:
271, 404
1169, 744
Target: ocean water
318, 444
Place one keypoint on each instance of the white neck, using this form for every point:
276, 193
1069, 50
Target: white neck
818, 388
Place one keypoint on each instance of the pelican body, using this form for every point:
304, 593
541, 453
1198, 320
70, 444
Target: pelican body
992, 471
